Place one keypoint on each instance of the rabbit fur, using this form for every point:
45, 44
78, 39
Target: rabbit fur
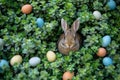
70, 40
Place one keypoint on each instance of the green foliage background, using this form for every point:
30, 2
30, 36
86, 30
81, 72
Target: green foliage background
22, 36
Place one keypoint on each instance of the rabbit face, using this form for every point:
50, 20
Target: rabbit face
69, 39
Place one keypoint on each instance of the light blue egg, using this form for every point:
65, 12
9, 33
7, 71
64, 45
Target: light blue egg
34, 61
40, 22
111, 4
106, 40
4, 64
107, 61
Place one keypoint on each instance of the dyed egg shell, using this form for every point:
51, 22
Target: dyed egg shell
34, 61
1, 44
106, 40
40, 22
101, 52
26, 9
107, 61
68, 75
51, 56
17, 59
111, 4
3, 65
97, 14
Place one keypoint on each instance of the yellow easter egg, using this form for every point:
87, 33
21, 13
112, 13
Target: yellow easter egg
17, 59
51, 56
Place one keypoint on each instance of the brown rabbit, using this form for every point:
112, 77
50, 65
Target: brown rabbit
70, 40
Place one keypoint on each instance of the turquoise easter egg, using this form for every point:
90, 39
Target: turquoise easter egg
40, 22
3, 65
106, 40
111, 4
107, 61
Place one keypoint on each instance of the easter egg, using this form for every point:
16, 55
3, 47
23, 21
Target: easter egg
51, 56
26, 9
68, 75
17, 59
3, 65
106, 40
107, 61
34, 61
40, 22
97, 14
1, 44
101, 52
111, 4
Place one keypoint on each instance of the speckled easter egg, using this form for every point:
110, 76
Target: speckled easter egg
34, 61
1, 43
111, 4
97, 14
101, 52
106, 40
107, 61
68, 75
3, 65
26, 9
17, 59
40, 22
51, 56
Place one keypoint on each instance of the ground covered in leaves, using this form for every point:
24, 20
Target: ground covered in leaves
23, 37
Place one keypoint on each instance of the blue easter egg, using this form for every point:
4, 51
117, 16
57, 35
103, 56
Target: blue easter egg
40, 22
106, 40
111, 4
107, 61
4, 64
34, 61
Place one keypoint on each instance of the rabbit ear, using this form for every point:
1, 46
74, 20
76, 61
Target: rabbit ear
64, 25
75, 25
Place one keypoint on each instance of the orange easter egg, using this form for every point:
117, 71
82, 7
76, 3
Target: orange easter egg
26, 9
101, 52
68, 75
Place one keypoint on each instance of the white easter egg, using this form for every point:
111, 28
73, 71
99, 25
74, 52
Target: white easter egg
1, 44
97, 14
34, 61
51, 56
16, 59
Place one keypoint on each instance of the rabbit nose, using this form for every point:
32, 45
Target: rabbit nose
67, 46
70, 46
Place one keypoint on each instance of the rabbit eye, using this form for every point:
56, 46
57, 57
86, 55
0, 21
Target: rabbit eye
63, 45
